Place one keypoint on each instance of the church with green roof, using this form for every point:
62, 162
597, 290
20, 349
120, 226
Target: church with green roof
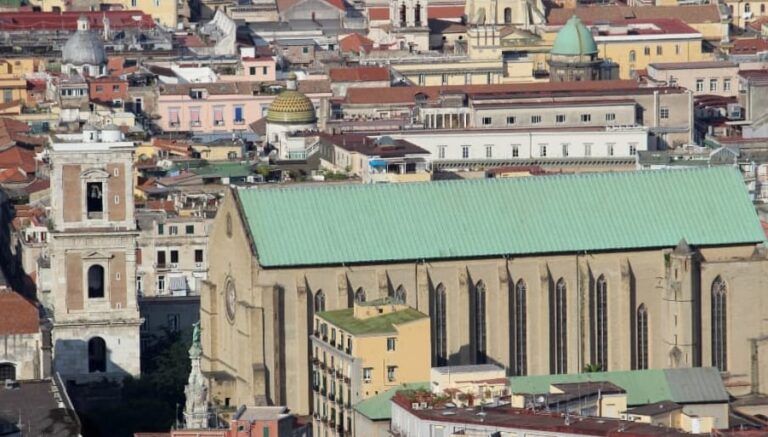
541, 275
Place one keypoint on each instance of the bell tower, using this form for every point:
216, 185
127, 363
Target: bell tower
93, 257
408, 21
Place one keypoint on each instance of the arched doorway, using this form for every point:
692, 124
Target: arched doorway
97, 355
7, 371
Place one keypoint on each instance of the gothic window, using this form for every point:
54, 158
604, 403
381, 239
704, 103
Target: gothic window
95, 200
719, 322
402, 15
439, 326
478, 314
558, 325
599, 310
319, 301
641, 337
7, 371
507, 15
95, 281
360, 295
97, 355
399, 296
518, 327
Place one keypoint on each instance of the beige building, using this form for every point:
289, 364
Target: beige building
718, 78
93, 256
361, 351
540, 275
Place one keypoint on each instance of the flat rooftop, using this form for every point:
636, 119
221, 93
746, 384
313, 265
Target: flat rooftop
383, 324
508, 418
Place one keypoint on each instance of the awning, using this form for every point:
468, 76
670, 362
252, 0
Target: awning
377, 163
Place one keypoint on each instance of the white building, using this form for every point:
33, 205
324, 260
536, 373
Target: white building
511, 145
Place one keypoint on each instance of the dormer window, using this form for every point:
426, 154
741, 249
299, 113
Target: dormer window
197, 94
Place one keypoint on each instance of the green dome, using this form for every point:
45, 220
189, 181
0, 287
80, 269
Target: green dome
574, 39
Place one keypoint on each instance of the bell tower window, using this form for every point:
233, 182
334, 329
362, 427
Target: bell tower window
96, 281
95, 200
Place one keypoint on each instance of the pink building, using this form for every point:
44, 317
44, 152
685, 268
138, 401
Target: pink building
254, 69
224, 106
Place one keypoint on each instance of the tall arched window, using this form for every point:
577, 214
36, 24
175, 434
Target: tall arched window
719, 324
439, 326
417, 14
518, 330
97, 355
477, 311
632, 56
7, 371
360, 295
507, 15
319, 301
762, 8
96, 281
402, 15
558, 326
747, 8
641, 337
599, 324
400, 294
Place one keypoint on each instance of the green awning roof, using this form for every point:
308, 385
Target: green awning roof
690, 385
360, 223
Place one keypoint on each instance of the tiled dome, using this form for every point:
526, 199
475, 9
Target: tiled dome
291, 106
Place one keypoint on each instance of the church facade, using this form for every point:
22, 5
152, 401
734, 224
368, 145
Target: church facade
539, 275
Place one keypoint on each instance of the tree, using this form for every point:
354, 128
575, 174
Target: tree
592, 368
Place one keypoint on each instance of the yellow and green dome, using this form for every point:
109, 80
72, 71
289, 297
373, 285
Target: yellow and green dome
291, 106
574, 39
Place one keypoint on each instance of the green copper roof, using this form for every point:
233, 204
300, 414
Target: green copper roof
692, 385
356, 223
379, 407
574, 39
383, 324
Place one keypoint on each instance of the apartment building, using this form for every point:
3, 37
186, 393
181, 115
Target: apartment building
173, 259
223, 106
666, 111
718, 78
361, 351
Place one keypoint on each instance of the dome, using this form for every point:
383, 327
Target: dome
574, 39
84, 48
291, 106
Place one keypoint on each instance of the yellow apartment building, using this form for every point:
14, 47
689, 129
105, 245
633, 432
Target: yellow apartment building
634, 44
165, 12
362, 351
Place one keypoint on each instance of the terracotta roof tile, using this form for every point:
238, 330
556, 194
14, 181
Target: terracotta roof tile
614, 13
359, 74
12, 175
17, 314
18, 157
355, 43
399, 95
749, 46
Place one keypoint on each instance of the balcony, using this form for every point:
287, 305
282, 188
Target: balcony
348, 351
339, 428
315, 388
331, 396
317, 333
325, 338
